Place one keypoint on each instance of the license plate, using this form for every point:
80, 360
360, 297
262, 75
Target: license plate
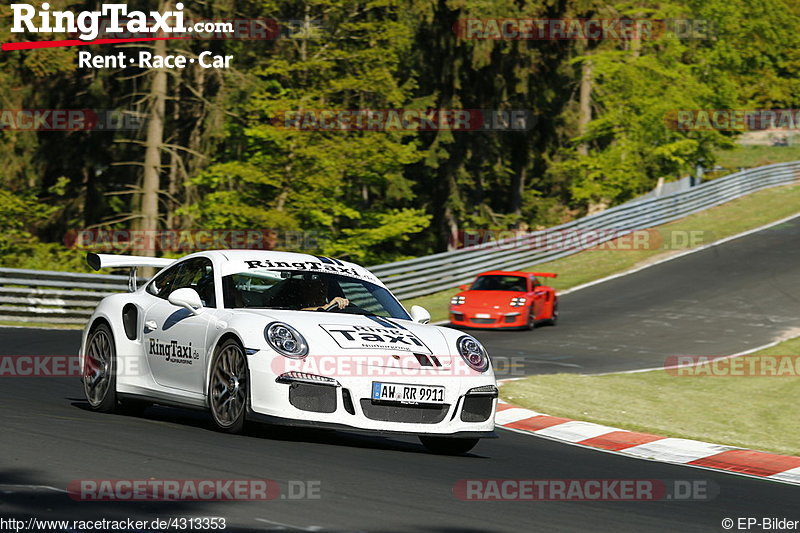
406, 393
483, 315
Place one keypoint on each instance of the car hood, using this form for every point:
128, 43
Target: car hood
376, 341
490, 299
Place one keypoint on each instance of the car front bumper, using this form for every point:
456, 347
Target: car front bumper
346, 403
494, 319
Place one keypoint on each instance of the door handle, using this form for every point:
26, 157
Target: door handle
150, 325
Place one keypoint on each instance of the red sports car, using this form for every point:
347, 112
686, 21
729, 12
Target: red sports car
505, 299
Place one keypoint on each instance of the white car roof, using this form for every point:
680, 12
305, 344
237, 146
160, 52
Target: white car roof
236, 261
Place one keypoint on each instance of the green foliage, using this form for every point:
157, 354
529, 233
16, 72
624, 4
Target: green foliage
229, 163
348, 185
18, 247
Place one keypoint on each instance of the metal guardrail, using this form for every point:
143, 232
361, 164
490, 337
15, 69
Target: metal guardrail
53, 297
70, 298
433, 273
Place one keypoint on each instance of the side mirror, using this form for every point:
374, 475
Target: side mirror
463, 287
188, 299
420, 314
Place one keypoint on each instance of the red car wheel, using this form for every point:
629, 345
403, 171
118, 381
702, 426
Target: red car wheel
531, 319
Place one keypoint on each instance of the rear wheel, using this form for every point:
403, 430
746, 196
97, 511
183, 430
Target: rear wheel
228, 387
99, 370
448, 445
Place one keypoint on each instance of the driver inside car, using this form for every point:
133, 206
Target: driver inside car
313, 293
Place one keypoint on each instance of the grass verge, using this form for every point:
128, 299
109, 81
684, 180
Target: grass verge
40, 325
704, 403
756, 156
707, 226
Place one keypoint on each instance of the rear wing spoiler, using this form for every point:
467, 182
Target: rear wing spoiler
544, 274
98, 261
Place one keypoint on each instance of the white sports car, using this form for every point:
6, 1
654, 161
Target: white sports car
285, 338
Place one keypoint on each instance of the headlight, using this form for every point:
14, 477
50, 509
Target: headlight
473, 353
286, 340
518, 301
457, 300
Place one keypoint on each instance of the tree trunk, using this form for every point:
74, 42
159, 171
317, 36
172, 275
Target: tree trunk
153, 147
585, 108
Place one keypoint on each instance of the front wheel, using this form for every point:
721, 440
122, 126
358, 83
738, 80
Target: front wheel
448, 445
531, 322
228, 387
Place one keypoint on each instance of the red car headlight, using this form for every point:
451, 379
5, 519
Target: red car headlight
458, 300
519, 301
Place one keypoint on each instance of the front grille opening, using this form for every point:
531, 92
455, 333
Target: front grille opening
483, 320
411, 414
313, 397
477, 408
347, 400
423, 360
509, 319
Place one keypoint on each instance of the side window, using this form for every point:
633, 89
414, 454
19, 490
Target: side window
197, 274
359, 296
162, 285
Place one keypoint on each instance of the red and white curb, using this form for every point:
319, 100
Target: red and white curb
695, 453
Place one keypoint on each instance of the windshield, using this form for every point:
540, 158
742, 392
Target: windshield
500, 283
299, 291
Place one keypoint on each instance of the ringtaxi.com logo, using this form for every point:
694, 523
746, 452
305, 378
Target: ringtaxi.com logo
87, 24
117, 21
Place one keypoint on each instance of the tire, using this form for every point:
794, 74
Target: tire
228, 389
448, 445
99, 370
554, 318
531, 323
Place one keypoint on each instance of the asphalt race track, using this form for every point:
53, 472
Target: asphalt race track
735, 296
723, 300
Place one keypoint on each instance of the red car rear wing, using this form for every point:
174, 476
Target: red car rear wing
544, 274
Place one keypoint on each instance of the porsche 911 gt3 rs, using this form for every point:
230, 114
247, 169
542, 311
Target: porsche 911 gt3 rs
502, 299
285, 338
